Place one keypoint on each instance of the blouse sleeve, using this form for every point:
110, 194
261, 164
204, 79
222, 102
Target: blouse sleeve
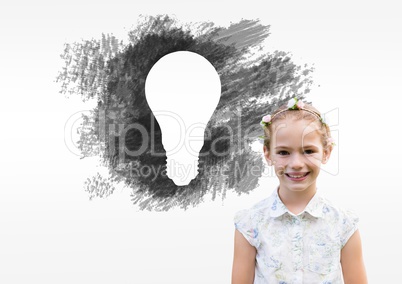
247, 225
349, 226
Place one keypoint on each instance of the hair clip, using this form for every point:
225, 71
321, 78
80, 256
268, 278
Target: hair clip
331, 141
324, 119
296, 104
293, 104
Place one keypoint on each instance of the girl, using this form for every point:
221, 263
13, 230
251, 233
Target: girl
295, 235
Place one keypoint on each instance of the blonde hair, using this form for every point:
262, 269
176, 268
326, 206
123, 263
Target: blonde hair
308, 112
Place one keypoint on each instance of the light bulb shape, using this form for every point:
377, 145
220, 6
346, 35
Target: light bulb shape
182, 90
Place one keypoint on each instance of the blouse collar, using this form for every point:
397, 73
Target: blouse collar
277, 208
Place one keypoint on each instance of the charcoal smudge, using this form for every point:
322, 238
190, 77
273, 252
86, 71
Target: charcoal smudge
115, 75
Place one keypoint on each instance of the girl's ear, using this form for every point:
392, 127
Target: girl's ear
267, 155
326, 154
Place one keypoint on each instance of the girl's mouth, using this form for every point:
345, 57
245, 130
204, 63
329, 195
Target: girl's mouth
298, 176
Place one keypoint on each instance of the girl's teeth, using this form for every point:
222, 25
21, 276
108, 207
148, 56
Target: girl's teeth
296, 176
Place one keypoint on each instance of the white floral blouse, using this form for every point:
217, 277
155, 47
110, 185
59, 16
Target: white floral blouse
293, 249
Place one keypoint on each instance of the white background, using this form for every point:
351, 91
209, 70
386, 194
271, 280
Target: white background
51, 233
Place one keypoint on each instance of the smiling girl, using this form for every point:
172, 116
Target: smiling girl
295, 235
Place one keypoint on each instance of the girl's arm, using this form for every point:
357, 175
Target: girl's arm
243, 260
352, 261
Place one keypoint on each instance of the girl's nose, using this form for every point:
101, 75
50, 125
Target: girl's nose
296, 161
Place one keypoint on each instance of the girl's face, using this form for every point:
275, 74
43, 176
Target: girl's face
296, 153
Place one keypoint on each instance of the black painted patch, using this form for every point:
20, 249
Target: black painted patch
253, 83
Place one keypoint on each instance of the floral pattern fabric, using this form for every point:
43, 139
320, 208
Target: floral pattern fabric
293, 249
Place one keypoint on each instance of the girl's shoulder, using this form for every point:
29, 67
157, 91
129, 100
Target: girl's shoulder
248, 221
344, 219
255, 214
330, 209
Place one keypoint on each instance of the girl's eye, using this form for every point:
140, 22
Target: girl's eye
283, 153
308, 152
